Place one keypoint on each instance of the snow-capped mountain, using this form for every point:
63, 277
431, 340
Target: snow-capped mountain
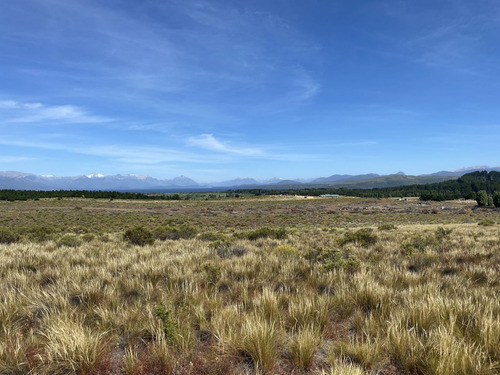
93, 181
136, 182
95, 175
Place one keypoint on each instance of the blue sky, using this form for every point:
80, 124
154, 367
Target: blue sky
218, 89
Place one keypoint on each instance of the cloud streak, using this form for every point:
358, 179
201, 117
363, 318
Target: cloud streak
217, 48
39, 113
209, 142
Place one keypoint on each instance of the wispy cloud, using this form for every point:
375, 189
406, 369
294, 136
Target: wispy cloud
14, 159
146, 154
453, 37
18, 112
209, 142
238, 151
204, 51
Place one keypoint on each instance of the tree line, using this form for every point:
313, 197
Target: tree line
23, 195
475, 185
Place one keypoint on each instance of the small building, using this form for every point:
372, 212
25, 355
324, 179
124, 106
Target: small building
330, 195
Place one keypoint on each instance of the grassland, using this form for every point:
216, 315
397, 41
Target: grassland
350, 286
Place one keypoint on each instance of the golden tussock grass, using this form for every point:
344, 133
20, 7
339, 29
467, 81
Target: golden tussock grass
402, 299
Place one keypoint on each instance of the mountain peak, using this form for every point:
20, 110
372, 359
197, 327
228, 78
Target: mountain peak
95, 175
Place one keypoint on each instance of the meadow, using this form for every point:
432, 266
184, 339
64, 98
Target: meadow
249, 285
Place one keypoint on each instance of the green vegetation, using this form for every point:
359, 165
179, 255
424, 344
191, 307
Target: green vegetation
139, 236
7, 236
364, 237
496, 199
466, 187
23, 195
482, 198
265, 232
169, 232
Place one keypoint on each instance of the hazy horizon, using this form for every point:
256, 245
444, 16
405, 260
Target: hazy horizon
232, 89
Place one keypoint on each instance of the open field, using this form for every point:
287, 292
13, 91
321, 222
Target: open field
350, 286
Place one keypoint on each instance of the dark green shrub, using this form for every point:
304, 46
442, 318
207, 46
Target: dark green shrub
213, 273
364, 237
486, 223
139, 236
39, 233
265, 232
69, 240
496, 199
168, 325
169, 232
482, 198
422, 243
422, 260
407, 248
387, 227
7, 236
213, 236
88, 237
333, 259
442, 233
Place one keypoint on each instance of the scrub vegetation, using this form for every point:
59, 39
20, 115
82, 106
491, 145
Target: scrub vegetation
266, 285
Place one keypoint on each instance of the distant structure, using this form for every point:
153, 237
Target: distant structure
330, 195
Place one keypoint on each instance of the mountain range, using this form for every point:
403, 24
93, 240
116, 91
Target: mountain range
134, 182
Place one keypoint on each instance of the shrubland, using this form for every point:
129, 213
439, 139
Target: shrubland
242, 286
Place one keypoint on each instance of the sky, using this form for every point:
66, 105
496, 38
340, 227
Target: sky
220, 89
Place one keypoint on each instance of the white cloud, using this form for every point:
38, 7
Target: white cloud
11, 104
208, 47
209, 142
19, 112
141, 154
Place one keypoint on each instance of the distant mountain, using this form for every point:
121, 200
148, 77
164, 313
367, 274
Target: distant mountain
391, 181
235, 182
461, 172
180, 181
288, 182
134, 182
94, 181
239, 182
344, 177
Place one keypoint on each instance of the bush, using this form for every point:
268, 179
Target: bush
442, 233
168, 325
175, 233
69, 240
333, 259
39, 233
364, 237
6, 236
88, 237
422, 243
213, 236
139, 236
496, 199
486, 223
482, 198
387, 227
265, 232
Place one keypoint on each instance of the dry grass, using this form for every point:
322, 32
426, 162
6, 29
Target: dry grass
421, 299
